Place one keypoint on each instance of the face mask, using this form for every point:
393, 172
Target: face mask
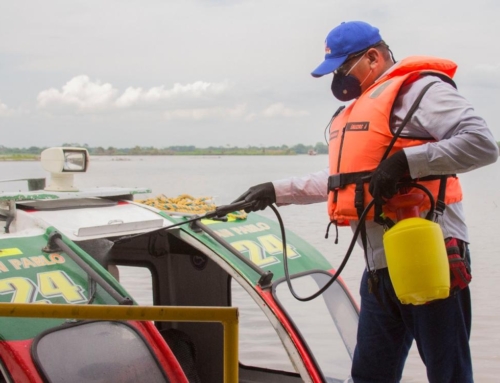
347, 87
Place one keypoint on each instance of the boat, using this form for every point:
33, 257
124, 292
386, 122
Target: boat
221, 311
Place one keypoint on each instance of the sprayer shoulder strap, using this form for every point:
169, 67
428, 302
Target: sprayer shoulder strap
407, 118
409, 115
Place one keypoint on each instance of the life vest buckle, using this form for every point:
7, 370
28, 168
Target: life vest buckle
334, 182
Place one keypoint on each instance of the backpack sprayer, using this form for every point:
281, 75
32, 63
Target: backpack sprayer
416, 253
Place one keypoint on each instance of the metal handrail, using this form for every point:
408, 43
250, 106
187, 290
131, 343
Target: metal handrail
228, 316
56, 243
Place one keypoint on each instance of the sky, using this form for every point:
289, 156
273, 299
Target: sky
161, 73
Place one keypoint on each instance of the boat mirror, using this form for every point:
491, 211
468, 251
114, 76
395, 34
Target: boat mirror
62, 163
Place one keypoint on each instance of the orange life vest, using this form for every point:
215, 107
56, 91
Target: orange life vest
361, 133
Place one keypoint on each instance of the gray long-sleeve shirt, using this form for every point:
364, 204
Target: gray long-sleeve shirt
463, 143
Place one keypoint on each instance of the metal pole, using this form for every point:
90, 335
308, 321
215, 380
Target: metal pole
228, 316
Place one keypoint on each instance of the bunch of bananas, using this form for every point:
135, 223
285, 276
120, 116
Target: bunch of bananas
187, 204
183, 203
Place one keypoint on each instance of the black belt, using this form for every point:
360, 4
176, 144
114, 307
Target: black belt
339, 181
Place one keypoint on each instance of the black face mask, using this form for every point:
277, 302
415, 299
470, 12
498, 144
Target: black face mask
346, 88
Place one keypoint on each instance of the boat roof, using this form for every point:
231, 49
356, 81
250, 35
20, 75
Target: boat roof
90, 192
105, 212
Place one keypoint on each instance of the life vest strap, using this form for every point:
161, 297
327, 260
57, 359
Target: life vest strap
339, 181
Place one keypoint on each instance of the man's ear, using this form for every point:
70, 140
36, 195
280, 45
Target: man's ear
374, 56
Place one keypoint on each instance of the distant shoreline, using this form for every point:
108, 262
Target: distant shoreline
8, 154
20, 157
117, 157
33, 153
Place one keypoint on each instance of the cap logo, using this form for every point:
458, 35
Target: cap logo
327, 49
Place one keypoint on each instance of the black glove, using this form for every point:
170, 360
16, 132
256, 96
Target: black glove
262, 195
386, 176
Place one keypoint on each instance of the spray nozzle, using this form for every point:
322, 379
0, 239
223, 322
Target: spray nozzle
222, 210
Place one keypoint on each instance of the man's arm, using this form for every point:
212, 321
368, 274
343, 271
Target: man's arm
304, 190
464, 141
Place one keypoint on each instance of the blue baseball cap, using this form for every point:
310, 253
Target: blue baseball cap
348, 38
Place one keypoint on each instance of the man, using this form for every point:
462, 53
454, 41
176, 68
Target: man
407, 120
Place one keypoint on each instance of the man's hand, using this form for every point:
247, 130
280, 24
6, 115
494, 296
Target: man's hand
386, 176
261, 195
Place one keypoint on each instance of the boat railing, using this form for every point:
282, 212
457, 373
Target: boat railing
228, 316
56, 243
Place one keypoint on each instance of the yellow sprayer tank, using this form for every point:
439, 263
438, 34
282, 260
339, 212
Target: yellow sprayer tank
417, 261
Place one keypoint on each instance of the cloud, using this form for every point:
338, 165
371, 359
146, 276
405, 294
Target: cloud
276, 110
4, 110
80, 94
238, 111
198, 89
280, 110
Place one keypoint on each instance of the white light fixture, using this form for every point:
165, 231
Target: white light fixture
62, 163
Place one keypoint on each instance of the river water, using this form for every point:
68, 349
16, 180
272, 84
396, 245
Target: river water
226, 177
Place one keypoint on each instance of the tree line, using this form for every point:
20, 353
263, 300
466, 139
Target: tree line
319, 148
34, 151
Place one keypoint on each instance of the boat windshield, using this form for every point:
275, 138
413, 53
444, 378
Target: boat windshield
96, 352
327, 324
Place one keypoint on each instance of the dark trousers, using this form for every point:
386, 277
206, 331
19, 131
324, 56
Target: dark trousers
387, 328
